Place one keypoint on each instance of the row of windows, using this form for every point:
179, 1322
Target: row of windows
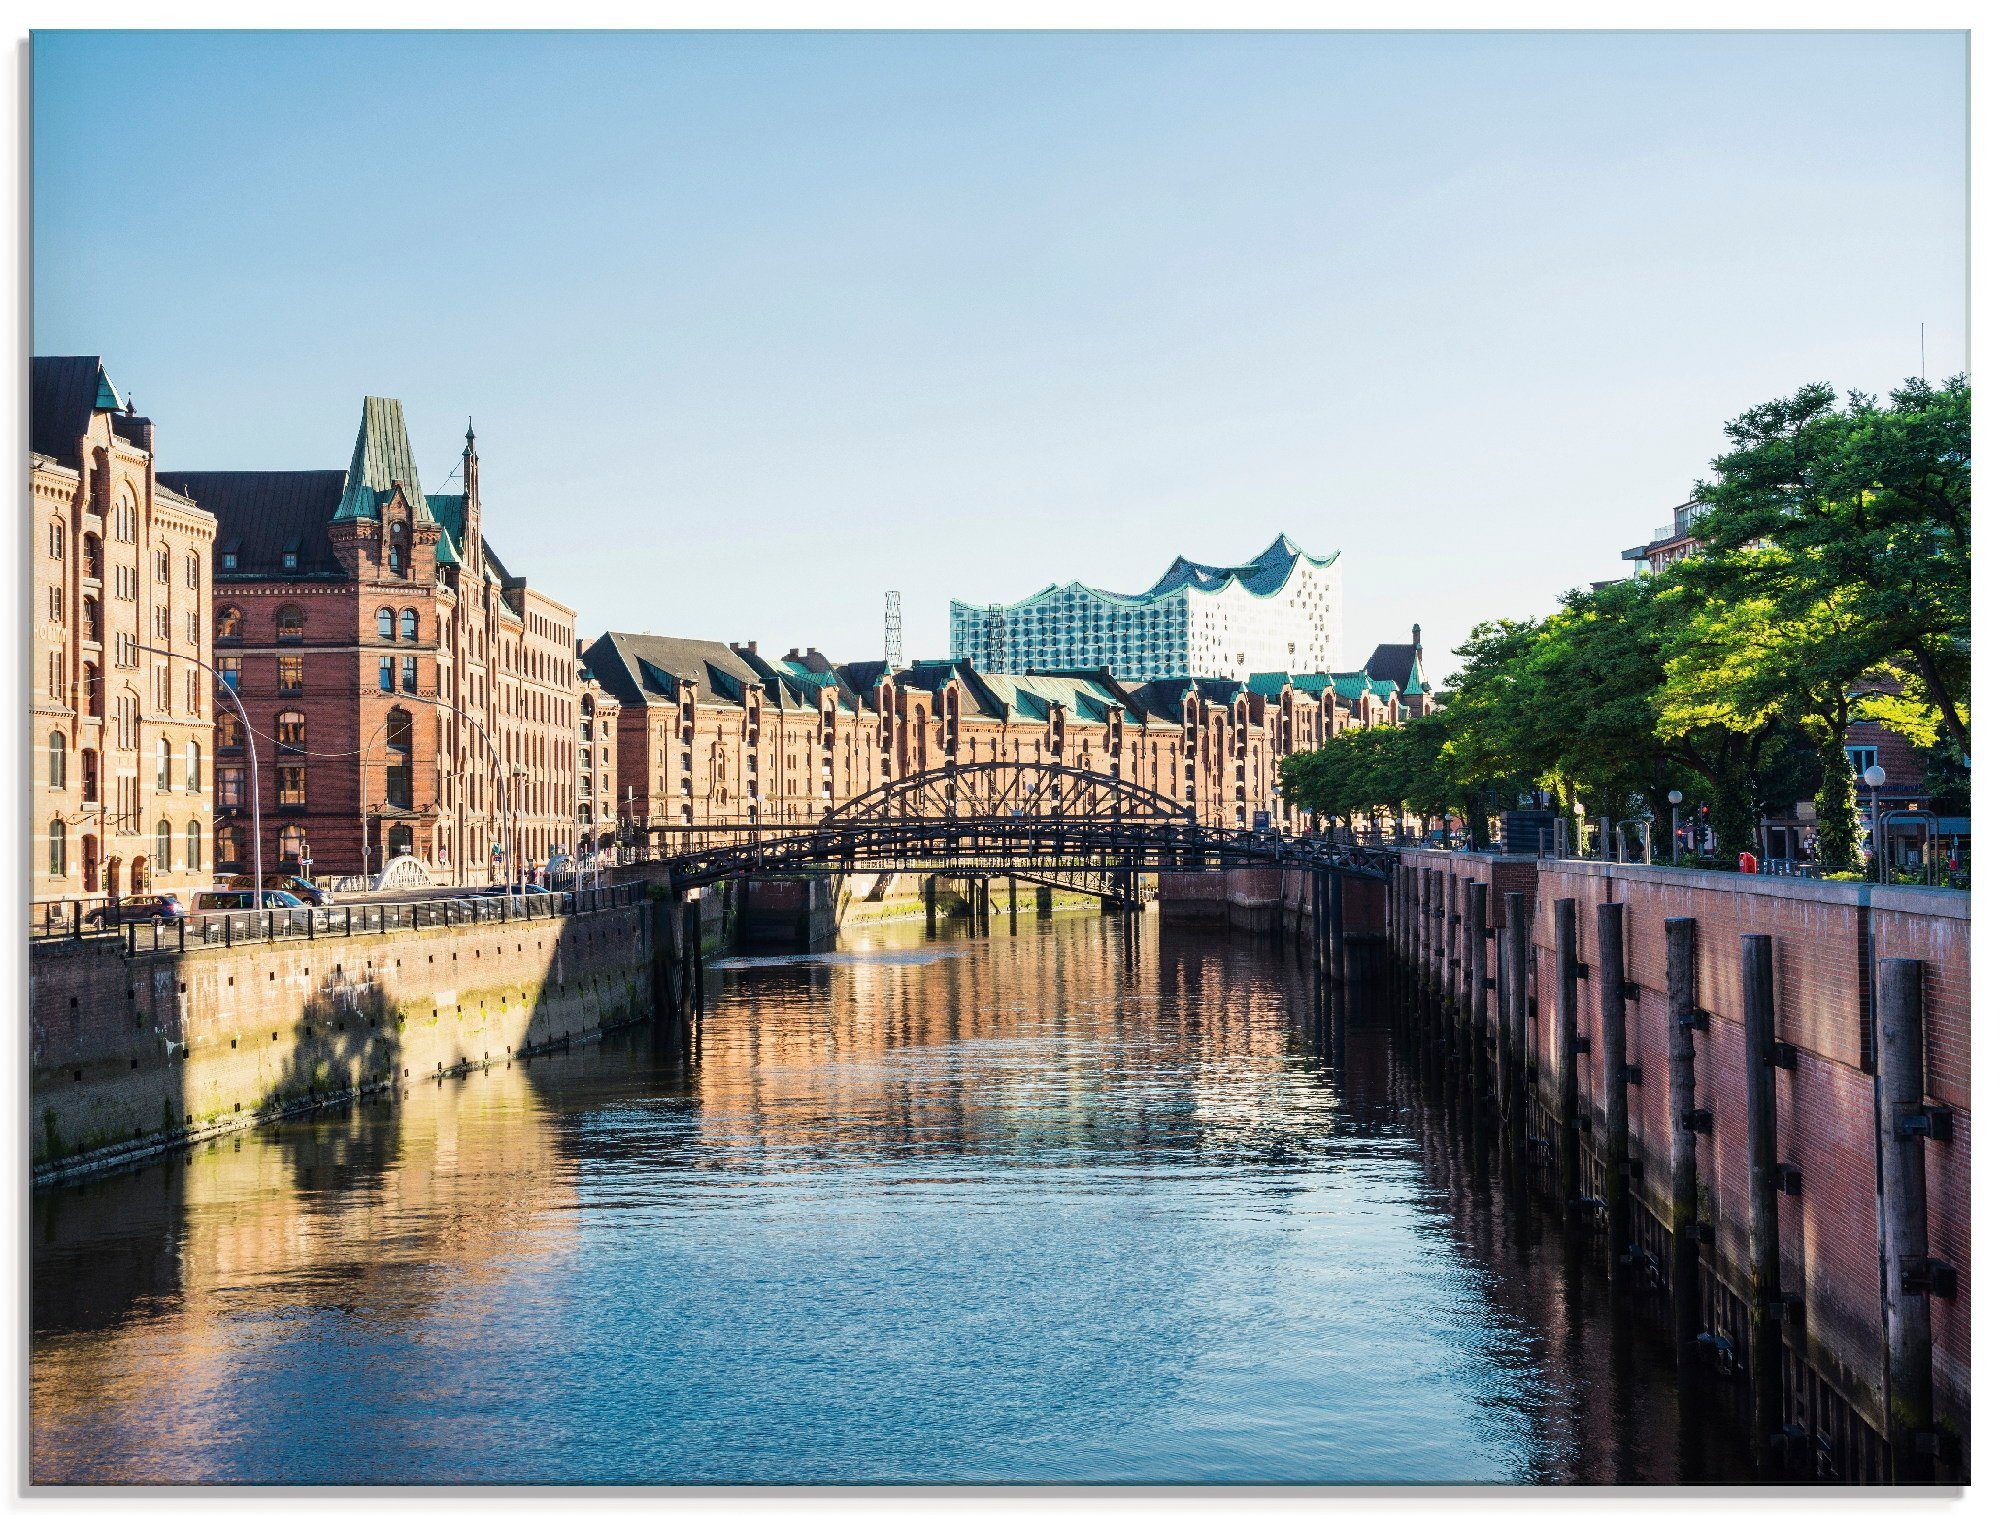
163, 850
291, 624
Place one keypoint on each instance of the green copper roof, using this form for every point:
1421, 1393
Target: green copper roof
383, 459
449, 512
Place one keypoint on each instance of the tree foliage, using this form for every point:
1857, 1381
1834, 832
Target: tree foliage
1833, 584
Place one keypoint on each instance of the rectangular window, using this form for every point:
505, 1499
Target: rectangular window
1863, 758
55, 602
410, 675
229, 561
291, 784
291, 673
399, 787
385, 673
194, 628
229, 787
231, 670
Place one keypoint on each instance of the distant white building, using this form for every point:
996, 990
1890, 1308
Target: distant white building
1279, 612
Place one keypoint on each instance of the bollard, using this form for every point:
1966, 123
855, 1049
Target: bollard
1617, 1085
1767, 1386
1902, 1123
1566, 1050
1683, 1216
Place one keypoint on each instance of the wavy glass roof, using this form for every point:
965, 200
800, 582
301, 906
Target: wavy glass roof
1263, 576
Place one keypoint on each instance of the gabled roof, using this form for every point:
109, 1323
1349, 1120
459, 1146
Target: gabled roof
260, 516
636, 668
383, 459
63, 394
1400, 664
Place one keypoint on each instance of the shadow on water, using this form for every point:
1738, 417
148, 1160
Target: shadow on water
1619, 1410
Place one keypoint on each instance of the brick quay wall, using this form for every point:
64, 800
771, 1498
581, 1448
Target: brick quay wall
1827, 942
135, 1054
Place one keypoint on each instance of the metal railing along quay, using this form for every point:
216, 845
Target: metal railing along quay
230, 928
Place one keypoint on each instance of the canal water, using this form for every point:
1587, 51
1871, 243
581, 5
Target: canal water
1049, 1204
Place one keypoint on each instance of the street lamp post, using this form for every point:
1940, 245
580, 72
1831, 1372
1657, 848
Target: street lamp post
1674, 798
250, 745
1873, 776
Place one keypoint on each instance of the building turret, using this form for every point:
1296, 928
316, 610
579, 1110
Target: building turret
471, 549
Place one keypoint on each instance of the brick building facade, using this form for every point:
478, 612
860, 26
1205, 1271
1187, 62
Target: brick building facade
716, 733
120, 702
599, 800
405, 693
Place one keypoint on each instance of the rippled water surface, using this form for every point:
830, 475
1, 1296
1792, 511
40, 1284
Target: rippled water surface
1032, 1207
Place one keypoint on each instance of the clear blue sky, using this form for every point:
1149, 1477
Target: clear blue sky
755, 327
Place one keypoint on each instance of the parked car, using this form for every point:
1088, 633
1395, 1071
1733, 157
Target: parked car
515, 889
137, 907
291, 883
244, 899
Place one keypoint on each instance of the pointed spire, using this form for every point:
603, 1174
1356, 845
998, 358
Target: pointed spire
383, 460
469, 449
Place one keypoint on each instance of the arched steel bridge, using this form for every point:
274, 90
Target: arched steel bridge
1013, 817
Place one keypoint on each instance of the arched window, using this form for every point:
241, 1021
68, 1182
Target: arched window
56, 540
89, 863
163, 567
194, 846
409, 625
193, 567
291, 728
163, 766
138, 874
291, 624
58, 760
93, 619
93, 556
194, 767
228, 624
399, 840
399, 728
385, 624
58, 848
397, 561
93, 691
163, 847
291, 844
228, 731
227, 848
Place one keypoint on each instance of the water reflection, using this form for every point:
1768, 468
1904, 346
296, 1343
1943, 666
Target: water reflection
1063, 1204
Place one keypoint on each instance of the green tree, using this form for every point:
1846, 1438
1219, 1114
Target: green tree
1870, 509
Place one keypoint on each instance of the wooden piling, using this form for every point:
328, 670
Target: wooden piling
1684, 1219
1571, 1157
1475, 980
1901, 1124
691, 984
1336, 939
1617, 1147
1514, 1017
1767, 1385
1454, 916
